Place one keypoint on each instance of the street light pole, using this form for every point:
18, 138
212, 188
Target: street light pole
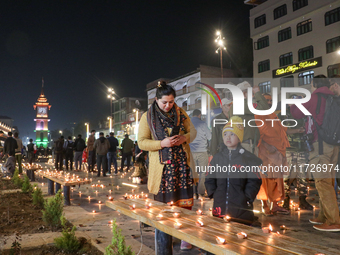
87, 130
111, 97
219, 40
136, 128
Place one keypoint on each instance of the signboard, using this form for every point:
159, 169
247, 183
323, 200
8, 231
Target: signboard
302, 66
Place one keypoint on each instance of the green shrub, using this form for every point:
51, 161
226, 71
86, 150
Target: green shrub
117, 247
53, 209
26, 185
68, 242
16, 178
38, 199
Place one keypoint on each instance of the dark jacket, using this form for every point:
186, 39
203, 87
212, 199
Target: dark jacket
101, 146
127, 145
311, 107
234, 193
113, 143
79, 144
10, 145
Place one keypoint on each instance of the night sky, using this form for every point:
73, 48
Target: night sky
81, 47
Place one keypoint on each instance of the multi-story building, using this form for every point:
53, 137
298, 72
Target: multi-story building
125, 113
294, 40
188, 92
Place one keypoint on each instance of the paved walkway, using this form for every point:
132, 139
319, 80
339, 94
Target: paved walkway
96, 225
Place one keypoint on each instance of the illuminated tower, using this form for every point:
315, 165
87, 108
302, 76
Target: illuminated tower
41, 129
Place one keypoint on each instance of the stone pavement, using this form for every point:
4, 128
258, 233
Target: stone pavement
96, 225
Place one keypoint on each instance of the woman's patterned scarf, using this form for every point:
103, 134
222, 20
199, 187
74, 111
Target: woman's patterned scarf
159, 122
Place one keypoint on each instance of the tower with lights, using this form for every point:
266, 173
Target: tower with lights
42, 108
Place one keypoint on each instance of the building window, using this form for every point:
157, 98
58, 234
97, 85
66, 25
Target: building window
306, 78
333, 70
123, 116
264, 87
304, 27
123, 104
287, 81
260, 21
264, 66
298, 4
262, 42
333, 44
332, 16
286, 59
306, 53
280, 11
284, 34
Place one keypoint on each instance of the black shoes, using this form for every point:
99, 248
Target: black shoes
303, 204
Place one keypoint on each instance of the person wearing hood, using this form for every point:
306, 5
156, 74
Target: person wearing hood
234, 190
101, 146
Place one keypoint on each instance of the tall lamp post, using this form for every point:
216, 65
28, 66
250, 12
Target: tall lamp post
110, 94
220, 42
61, 132
136, 128
87, 129
110, 123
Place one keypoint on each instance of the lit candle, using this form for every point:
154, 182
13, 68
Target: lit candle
94, 211
147, 206
99, 202
117, 187
227, 218
110, 198
220, 240
177, 215
110, 191
199, 223
267, 230
178, 225
132, 207
283, 227
199, 212
159, 217
133, 190
241, 235
171, 203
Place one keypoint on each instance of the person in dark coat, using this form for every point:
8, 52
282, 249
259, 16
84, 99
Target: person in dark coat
233, 180
10, 144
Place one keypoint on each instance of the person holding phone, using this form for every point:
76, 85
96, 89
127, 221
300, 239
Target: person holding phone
165, 130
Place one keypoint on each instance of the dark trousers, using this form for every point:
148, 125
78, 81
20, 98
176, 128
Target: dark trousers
91, 160
59, 161
30, 156
112, 158
101, 164
126, 156
69, 157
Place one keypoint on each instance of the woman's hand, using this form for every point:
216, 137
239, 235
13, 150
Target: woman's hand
180, 139
169, 142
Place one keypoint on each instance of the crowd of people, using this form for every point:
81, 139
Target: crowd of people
182, 149
181, 152
101, 152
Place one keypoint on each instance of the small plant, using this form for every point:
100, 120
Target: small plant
16, 178
117, 247
53, 209
68, 242
16, 246
38, 199
26, 185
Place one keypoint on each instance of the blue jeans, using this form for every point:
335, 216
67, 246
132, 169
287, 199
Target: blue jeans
101, 164
77, 159
112, 158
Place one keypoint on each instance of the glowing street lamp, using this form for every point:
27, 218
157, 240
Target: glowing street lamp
87, 129
61, 132
110, 96
220, 42
136, 128
110, 119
